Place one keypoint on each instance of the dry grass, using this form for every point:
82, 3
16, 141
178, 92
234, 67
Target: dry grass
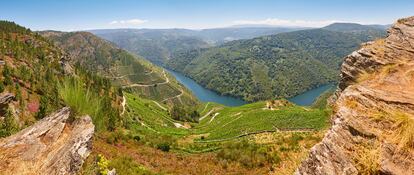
367, 160
351, 103
404, 133
403, 127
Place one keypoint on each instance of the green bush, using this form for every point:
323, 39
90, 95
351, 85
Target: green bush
9, 125
126, 165
164, 147
248, 154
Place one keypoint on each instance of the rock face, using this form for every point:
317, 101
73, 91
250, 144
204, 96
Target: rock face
51, 146
5, 99
373, 123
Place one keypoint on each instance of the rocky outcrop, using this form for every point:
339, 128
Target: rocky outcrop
373, 123
5, 99
53, 145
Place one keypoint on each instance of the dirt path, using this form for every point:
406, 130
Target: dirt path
167, 80
214, 116
258, 132
206, 115
177, 96
205, 107
123, 105
162, 107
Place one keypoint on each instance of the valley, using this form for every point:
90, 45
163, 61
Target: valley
206, 88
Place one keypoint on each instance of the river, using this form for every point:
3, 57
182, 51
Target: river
206, 95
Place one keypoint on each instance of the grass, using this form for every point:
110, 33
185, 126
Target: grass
404, 133
155, 128
367, 159
80, 99
230, 122
236, 121
403, 127
126, 165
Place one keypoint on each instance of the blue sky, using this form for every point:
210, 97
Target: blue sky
71, 15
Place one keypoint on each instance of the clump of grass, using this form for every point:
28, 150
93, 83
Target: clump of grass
351, 103
404, 134
127, 165
80, 99
363, 77
367, 159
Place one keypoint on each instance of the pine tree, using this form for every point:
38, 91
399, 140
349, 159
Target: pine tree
7, 75
43, 108
1, 87
9, 125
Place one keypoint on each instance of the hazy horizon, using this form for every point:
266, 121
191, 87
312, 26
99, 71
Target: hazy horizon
80, 15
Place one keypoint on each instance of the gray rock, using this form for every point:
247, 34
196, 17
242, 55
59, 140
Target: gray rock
387, 89
53, 145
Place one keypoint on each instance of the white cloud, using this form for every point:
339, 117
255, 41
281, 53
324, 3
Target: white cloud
130, 22
284, 22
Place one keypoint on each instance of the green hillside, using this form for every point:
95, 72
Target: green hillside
136, 131
154, 45
35, 72
131, 72
274, 66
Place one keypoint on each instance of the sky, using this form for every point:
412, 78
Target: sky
72, 15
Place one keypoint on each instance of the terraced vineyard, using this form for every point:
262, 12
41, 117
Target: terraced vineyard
220, 123
131, 72
220, 132
236, 122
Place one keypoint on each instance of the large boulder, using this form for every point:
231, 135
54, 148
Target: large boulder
53, 145
371, 129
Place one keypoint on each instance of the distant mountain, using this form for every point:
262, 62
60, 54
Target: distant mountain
280, 65
158, 45
222, 35
123, 68
352, 27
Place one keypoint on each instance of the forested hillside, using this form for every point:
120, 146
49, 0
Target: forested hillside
154, 45
273, 66
128, 71
38, 80
159, 45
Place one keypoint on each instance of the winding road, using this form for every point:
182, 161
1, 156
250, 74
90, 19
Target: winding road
167, 80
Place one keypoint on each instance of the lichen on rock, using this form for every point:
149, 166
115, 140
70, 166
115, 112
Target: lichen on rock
373, 116
53, 145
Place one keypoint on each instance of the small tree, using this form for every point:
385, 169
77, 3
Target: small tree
7, 75
9, 125
1, 87
43, 108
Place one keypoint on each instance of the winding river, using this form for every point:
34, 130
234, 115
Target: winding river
206, 95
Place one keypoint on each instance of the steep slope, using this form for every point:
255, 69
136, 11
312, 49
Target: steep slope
156, 45
30, 71
159, 45
373, 121
281, 65
124, 69
35, 81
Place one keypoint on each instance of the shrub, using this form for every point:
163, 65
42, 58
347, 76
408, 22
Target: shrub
103, 164
127, 165
9, 125
164, 147
248, 154
137, 138
1, 87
